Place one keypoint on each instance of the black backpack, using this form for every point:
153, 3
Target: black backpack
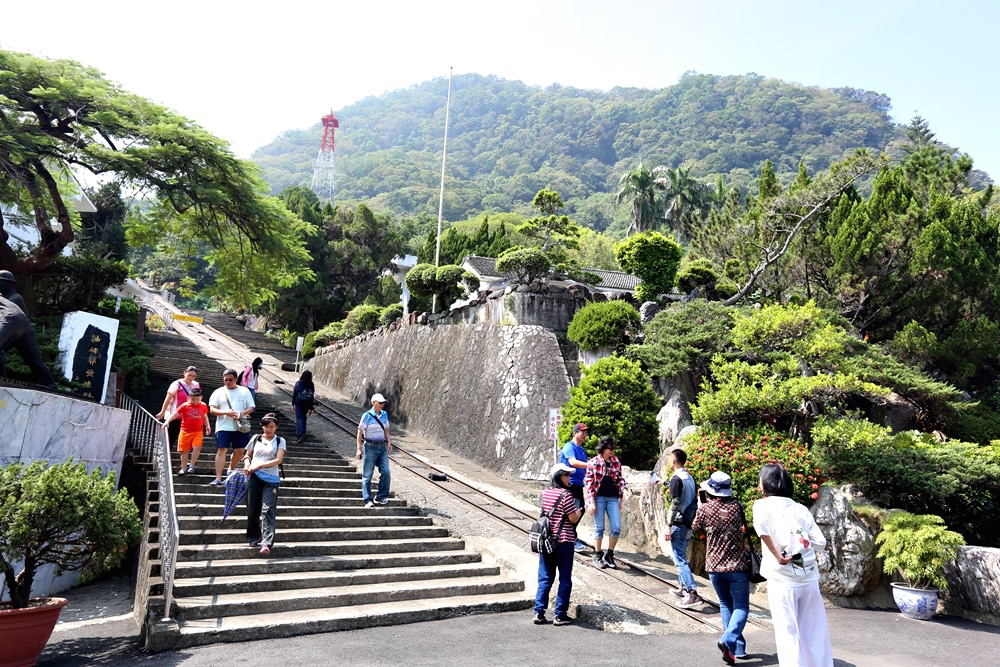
305, 397
541, 538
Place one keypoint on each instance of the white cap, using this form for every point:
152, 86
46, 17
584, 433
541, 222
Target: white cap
378, 397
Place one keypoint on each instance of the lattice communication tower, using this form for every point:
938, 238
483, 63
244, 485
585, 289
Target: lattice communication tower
322, 182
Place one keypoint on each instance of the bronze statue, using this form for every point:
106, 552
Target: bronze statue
17, 333
7, 282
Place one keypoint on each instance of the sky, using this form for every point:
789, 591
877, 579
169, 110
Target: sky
247, 72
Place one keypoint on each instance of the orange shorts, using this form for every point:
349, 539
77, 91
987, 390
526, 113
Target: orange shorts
189, 439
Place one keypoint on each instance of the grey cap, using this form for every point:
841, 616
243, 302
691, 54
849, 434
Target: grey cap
7, 275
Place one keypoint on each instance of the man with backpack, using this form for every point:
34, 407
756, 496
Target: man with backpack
684, 493
560, 508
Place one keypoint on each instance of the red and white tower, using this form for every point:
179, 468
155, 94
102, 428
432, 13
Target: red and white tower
322, 182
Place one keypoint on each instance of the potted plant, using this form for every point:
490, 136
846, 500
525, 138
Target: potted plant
918, 547
63, 516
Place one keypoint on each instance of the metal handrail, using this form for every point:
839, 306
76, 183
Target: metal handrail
149, 437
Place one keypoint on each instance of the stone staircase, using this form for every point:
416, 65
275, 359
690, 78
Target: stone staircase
335, 564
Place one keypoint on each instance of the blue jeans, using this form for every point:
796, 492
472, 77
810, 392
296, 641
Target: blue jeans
733, 589
300, 421
610, 506
376, 454
679, 538
561, 560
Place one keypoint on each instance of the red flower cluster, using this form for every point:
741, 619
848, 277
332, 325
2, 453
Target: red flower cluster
742, 454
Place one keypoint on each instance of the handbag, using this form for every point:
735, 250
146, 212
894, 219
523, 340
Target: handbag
753, 558
242, 423
753, 566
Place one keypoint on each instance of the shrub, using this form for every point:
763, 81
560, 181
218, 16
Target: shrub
64, 516
390, 314
653, 258
958, 481
361, 319
698, 274
973, 422
685, 337
918, 547
603, 323
742, 452
524, 264
448, 283
615, 397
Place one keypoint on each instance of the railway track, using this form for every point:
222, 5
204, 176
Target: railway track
635, 577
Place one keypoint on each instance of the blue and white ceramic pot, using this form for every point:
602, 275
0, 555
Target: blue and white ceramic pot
918, 603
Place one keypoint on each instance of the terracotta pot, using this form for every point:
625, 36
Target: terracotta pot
26, 631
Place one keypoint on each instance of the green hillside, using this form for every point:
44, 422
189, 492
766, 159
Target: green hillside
508, 140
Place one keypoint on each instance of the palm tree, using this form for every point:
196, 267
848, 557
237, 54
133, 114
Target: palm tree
638, 188
685, 200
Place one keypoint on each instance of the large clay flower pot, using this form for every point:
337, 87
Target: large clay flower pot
918, 603
26, 631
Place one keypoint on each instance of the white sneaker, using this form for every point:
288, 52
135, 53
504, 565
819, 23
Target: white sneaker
690, 600
369, 504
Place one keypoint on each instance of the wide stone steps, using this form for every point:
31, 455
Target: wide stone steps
290, 534
253, 565
304, 506
335, 564
249, 602
311, 621
243, 583
203, 525
319, 548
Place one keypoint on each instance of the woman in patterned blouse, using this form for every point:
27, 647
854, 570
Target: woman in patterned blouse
721, 518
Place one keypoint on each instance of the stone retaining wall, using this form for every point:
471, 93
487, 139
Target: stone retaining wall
483, 391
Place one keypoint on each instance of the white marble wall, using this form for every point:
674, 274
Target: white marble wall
37, 425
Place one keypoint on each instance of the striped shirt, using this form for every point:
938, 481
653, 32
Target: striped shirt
371, 429
564, 504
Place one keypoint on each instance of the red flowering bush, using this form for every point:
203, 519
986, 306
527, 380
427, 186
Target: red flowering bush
742, 452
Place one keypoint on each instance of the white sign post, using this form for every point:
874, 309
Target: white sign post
298, 348
555, 418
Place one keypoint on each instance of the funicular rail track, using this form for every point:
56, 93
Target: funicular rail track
641, 580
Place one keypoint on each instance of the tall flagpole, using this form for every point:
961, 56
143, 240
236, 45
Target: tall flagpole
444, 156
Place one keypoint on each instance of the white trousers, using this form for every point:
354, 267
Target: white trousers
800, 629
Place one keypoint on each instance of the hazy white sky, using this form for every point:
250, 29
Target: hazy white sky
249, 71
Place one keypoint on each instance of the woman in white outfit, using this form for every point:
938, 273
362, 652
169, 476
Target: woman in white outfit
791, 539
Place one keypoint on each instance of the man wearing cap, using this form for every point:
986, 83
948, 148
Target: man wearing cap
374, 447
574, 456
178, 393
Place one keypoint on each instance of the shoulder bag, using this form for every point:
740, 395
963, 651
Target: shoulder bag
242, 423
753, 557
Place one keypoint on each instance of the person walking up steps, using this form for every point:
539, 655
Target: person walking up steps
375, 445
303, 398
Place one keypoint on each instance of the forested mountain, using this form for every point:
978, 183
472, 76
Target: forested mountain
508, 140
